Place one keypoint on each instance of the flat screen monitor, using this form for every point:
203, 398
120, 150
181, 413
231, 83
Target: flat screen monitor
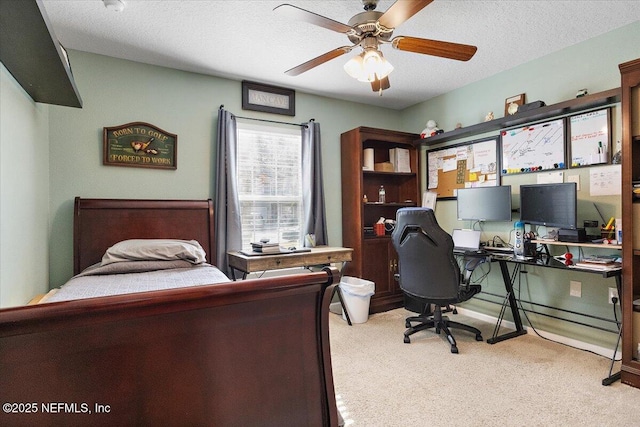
552, 205
484, 203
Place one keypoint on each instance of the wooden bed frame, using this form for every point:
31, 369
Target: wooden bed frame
254, 352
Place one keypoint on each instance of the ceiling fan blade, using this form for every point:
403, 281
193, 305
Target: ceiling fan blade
400, 11
299, 14
460, 52
318, 60
378, 85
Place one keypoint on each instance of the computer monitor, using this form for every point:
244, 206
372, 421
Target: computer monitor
484, 203
552, 205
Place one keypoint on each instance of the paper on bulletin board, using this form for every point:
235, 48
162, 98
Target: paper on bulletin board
484, 156
449, 165
432, 179
605, 180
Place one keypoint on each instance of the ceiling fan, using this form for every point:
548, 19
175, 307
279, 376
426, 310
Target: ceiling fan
369, 30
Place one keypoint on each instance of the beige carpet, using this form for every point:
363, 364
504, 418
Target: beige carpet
526, 381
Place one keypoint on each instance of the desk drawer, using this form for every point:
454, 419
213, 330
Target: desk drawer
277, 262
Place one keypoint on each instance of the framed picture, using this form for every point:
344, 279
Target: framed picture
590, 138
464, 165
533, 148
268, 99
512, 104
140, 145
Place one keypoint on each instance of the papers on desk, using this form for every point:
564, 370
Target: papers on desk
600, 262
598, 267
600, 259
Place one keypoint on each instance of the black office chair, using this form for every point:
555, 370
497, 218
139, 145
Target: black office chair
429, 272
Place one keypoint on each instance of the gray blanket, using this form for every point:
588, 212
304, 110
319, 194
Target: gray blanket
135, 276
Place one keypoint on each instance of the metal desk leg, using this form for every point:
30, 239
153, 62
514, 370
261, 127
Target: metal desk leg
615, 377
514, 308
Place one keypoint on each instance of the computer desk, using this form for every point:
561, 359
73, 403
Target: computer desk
546, 261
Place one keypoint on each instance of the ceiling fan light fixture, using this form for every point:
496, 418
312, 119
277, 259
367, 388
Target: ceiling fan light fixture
114, 5
353, 67
368, 66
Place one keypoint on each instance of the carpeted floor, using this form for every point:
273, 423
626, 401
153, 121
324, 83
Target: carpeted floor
526, 381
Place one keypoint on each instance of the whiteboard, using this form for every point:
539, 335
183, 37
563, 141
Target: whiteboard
590, 139
533, 148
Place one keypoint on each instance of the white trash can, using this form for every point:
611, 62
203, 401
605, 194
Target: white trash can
356, 294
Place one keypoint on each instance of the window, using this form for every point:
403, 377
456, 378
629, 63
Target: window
270, 184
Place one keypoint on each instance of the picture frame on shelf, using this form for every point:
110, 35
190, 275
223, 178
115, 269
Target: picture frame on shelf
512, 104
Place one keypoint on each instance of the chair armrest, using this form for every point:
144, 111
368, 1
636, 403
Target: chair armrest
469, 266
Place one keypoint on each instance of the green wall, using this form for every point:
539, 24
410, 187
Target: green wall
24, 190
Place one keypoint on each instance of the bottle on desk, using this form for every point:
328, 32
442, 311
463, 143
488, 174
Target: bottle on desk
382, 194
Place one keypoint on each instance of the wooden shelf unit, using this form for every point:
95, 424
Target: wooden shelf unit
584, 103
374, 257
32, 54
630, 79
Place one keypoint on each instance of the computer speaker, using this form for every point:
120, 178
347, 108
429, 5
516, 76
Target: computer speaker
518, 246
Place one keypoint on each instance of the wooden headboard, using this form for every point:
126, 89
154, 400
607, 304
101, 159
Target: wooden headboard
100, 223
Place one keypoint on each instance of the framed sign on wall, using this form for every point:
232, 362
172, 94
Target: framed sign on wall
268, 99
140, 145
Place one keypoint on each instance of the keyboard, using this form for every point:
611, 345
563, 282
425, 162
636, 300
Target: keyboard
504, 249
468, 251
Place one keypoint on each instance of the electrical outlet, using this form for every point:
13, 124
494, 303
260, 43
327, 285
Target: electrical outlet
613, 293
575, 289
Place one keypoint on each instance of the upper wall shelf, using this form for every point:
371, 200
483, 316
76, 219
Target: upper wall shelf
33, 56
587, 102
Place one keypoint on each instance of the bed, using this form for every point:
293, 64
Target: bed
250, 353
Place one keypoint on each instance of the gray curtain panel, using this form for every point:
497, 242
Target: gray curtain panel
228, 228
312, 184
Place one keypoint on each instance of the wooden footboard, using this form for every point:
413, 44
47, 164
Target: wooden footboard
251, 353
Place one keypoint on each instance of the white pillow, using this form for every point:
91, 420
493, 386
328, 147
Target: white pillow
155, 249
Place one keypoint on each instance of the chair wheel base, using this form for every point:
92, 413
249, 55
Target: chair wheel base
478, 337
454, 349
407, 340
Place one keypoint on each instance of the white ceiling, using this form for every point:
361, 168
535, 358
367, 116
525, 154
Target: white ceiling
247, 40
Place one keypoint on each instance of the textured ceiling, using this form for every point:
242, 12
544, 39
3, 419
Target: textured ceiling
247, 40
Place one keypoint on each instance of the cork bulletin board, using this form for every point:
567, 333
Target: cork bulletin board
465, 165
